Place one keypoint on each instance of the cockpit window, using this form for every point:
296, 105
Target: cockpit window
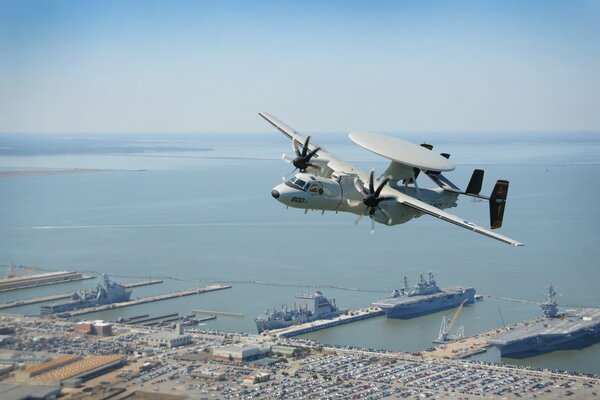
297, 183
313, 187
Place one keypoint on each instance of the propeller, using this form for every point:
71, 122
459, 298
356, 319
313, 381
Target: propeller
302, 160
372, 199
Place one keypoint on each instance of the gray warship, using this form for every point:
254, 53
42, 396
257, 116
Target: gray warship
106, 293
307, 308
424, 298
572, 329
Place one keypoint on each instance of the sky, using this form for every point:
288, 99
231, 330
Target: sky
321, 66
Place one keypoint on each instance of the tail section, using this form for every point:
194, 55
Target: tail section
498, 203
474, 186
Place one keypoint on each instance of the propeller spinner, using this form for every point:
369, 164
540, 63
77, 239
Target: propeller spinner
372, 199
302, 160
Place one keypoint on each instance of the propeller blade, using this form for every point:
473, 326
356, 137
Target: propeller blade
380, 188
371, 188
295, 148
286, 177
358, 219
305, 148
372, 226
312, 153
286, 158
387, 215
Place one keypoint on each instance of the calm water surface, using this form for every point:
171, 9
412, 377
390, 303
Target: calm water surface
208, 216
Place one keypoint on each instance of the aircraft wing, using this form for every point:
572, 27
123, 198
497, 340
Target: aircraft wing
332, 162
436, 212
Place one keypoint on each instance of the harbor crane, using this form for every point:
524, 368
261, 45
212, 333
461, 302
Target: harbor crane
446, 327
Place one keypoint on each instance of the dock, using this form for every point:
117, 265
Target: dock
221, 313
464, 348
61, 296
150, 321
142, 283
351, 316
37, 280
147, 299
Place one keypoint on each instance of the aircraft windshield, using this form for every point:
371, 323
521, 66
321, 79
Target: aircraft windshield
298, 183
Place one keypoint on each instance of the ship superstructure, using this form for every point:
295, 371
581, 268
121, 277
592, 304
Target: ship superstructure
572, 329
425, 297
107, 292
307, 308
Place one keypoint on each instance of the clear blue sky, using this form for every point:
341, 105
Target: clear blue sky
210, 66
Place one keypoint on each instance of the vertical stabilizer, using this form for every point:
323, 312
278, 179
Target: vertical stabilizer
498, 203
474, 186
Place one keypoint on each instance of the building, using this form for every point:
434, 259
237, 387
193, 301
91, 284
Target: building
210, 374
102, 328
28, 392
285, 351
38, 369
168, 340
99, 328
256, 378
6, 339
239, 353
84, 328
71, 372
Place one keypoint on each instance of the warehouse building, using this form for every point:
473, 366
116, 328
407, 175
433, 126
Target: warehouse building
239, 353
168, 340
73, 372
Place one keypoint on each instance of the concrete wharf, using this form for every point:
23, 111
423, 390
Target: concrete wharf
147, 299
37, 280
149, 321
221, 313
465, 347
61, 296
317, 325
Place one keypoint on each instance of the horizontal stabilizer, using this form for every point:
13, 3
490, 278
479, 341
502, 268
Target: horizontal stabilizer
498, 203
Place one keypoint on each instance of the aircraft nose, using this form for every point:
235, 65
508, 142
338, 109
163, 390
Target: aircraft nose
275, 193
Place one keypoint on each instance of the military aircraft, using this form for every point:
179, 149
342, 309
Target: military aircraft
324, 182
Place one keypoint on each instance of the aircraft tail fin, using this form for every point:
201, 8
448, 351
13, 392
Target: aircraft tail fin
498, 203
474, 186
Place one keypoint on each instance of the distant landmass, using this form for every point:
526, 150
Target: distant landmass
46, 144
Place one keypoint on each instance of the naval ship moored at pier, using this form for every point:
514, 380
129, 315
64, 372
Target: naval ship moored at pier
307, 308
424, 298
572, 329
110, 292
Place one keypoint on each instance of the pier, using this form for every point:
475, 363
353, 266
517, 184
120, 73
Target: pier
317, 325
148, 299
464, 348
221, 313
49, 278
61, 296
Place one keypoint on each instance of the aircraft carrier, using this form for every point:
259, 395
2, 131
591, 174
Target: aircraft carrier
572, 329
110, 292
307, 308
424, 298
